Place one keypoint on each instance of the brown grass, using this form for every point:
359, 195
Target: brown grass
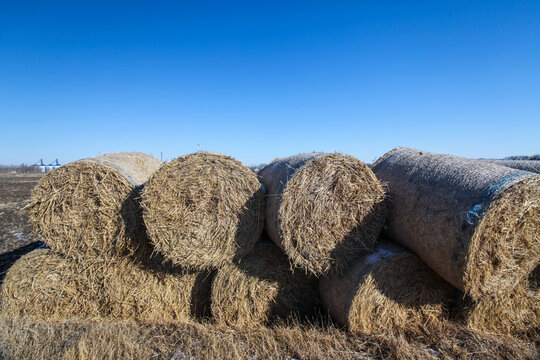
203, 210
388, 291
23, 339
323, 210
90, 208
261, 288
46, 286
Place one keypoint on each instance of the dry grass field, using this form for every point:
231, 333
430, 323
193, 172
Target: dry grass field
207, 340
16, 238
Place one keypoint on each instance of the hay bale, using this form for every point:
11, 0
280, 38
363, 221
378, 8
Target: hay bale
203, 210
517, 313
90, 207
387, 291
474, 223
261, 288
323, 210
527, 165
47, 286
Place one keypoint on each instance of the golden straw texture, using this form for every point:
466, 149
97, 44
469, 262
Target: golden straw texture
47, 286
90, 208
388, 291
203, 210
323, 210
261, 288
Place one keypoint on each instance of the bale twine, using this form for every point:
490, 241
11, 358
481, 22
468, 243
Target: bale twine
473, 222
47, 286
262, 288
527, 165
90, 207
387, 291
323, 210
203, 210
517, 313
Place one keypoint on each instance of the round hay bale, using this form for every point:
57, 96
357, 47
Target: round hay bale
473, 222
517, 313
322, 210
262, 288
387, 291
527, 165
47, 286
90, 207
203, 210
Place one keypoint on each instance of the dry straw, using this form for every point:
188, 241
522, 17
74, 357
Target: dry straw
46, 286
90, 207
25, 339
517, 313
475, 223
527, 165
323, 210
388, 291
203, 210
262, 288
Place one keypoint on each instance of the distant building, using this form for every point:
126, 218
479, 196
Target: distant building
42, 167
48, 168
56, 165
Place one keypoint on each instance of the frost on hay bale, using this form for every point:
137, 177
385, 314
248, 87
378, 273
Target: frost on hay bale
261, 288
90, 207
527, 165
388, 291
203, 210
323, 210
48, 286
473, 222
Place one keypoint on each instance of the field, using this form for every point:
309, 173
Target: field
317, 340
16, 238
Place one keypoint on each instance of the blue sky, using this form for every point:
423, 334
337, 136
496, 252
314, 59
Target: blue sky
265, 79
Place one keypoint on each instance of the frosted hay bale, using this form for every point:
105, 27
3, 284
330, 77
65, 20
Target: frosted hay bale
473, 222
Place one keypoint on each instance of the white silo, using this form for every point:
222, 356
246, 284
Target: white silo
42, 167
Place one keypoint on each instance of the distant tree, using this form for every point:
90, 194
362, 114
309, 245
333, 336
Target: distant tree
20, 169
516, 157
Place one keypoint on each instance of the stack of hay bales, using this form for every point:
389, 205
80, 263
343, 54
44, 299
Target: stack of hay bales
99, 264
326, 212
131, 239
474, 223
206, 211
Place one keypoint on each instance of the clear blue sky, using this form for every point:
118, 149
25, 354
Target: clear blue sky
265, 79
